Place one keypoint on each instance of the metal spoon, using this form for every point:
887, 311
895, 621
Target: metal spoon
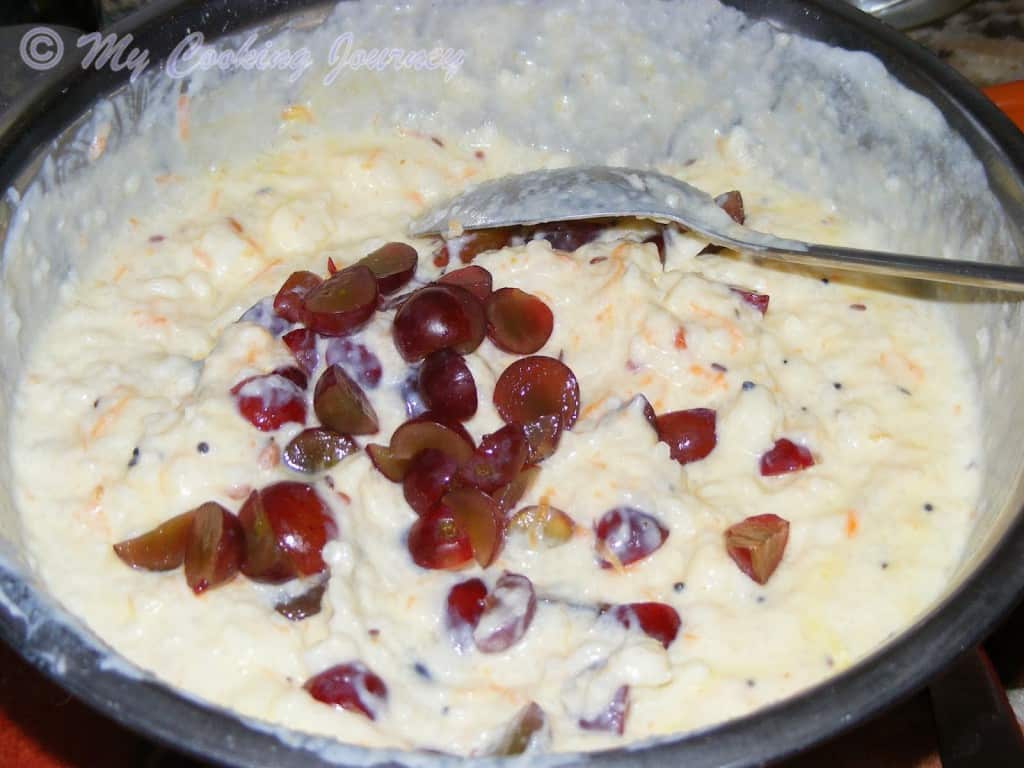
569, 194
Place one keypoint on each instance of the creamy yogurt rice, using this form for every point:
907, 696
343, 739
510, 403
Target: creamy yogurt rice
129, 393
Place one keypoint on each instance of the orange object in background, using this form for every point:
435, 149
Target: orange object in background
1009, 97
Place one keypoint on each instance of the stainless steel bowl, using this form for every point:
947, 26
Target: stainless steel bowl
37, 145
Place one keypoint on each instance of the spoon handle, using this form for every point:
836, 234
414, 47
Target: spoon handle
973, 273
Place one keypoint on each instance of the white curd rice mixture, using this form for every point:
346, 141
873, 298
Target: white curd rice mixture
600, 482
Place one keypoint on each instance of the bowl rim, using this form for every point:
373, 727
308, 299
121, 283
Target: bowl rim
888, 675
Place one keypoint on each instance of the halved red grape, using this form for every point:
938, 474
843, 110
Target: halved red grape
439, 317
613, 717
357, 360
352, 686
427, 478
657, 620
393, 264
316, 449
262, 314
341, 404
294, 374
524, 731
305, 605
286, 527
690, 435
465, 605
302, 343
478, 515
649, 414
412, 398
215, 547
518, 321
537, 386
497, 460
785, 457
472, 244
474, 279
758, 301
543, 524
626, 535
161, 549
270, 400
508, 614
658, 241
289, 300
342, 303
569, 235
454, 425
387, 463
447, 385
421, 433
542, 437
732, 203
510, 495
757, 544
438, 542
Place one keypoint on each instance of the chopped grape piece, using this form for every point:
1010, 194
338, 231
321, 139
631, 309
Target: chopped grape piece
544, 525
294, 374
427, 479
465, 605
286, 527
732, 203
439, 317
757, 544
387, 463
525, 732
393, 264
270, 400
690, 435
342, 303
542, 437
626, 535
447, 385
497, 460
302, 343
656, 620
510, 495
785, 457
161, 549
472, 244
613, 717
474, 279
305, 605
758, 301
262, 313
341, 404
412, 398
508, 614
289, 300
215, 547
422, 432
478, 515
358, 361
568, 235
537, 386
517, 321
316, 449
438, 542
352, 686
